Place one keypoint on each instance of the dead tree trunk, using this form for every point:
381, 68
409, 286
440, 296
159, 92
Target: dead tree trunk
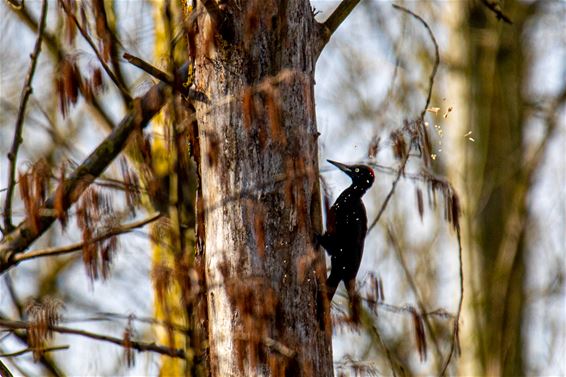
260, 203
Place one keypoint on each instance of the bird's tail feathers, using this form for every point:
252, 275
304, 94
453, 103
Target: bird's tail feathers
331, 285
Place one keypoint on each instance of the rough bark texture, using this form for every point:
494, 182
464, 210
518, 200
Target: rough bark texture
260, 193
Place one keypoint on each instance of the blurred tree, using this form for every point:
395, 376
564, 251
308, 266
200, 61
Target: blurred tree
497, 65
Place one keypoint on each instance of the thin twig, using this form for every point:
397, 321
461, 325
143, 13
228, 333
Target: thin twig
415, 290
436, 54
52, 251
137, 345
384, 346
30, 349
408, 309
107, 316
26, 92
123, 90
495, 7
455, 330
55, 48
165, 77
113, 39
392, 190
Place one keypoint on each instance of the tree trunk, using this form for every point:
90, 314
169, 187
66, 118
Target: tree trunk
495, 186
260, 192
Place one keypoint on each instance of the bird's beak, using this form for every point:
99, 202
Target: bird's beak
345, 168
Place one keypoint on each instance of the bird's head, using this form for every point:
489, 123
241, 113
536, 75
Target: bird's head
362, 175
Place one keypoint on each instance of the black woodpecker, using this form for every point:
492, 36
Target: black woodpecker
346, 228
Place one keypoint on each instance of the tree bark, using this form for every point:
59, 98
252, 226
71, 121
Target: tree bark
260, 191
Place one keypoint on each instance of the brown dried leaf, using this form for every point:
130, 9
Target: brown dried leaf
60, 201
43, 315
102, 31
131, 187
127, 343
68, 83
399, 144
420, 205
97, 82
455, 210
162, 277
69, 22
94, 212
33, 189
373, 147
420, 336
381, 296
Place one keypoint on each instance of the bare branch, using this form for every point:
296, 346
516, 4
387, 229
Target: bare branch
148, 68
123, 90
4, 371
29, 349
335, 20
26, 92
55, 48
142, 111
137, 345
436, 54
454, 344
392, 190
52, 251
420, 303
495, 7
165, 77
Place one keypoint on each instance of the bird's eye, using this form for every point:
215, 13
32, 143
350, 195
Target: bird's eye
357, 170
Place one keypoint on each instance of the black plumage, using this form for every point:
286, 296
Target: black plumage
346, 228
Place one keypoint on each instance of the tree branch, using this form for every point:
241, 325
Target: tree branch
142, 111
454, 344
52, 251
420, 303
29, 349
495, 7
148, 68
120, 85
138, 346
436, 55
4, 371
334, 21
26, 92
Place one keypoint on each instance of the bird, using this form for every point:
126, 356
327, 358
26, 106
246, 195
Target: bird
346, 228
